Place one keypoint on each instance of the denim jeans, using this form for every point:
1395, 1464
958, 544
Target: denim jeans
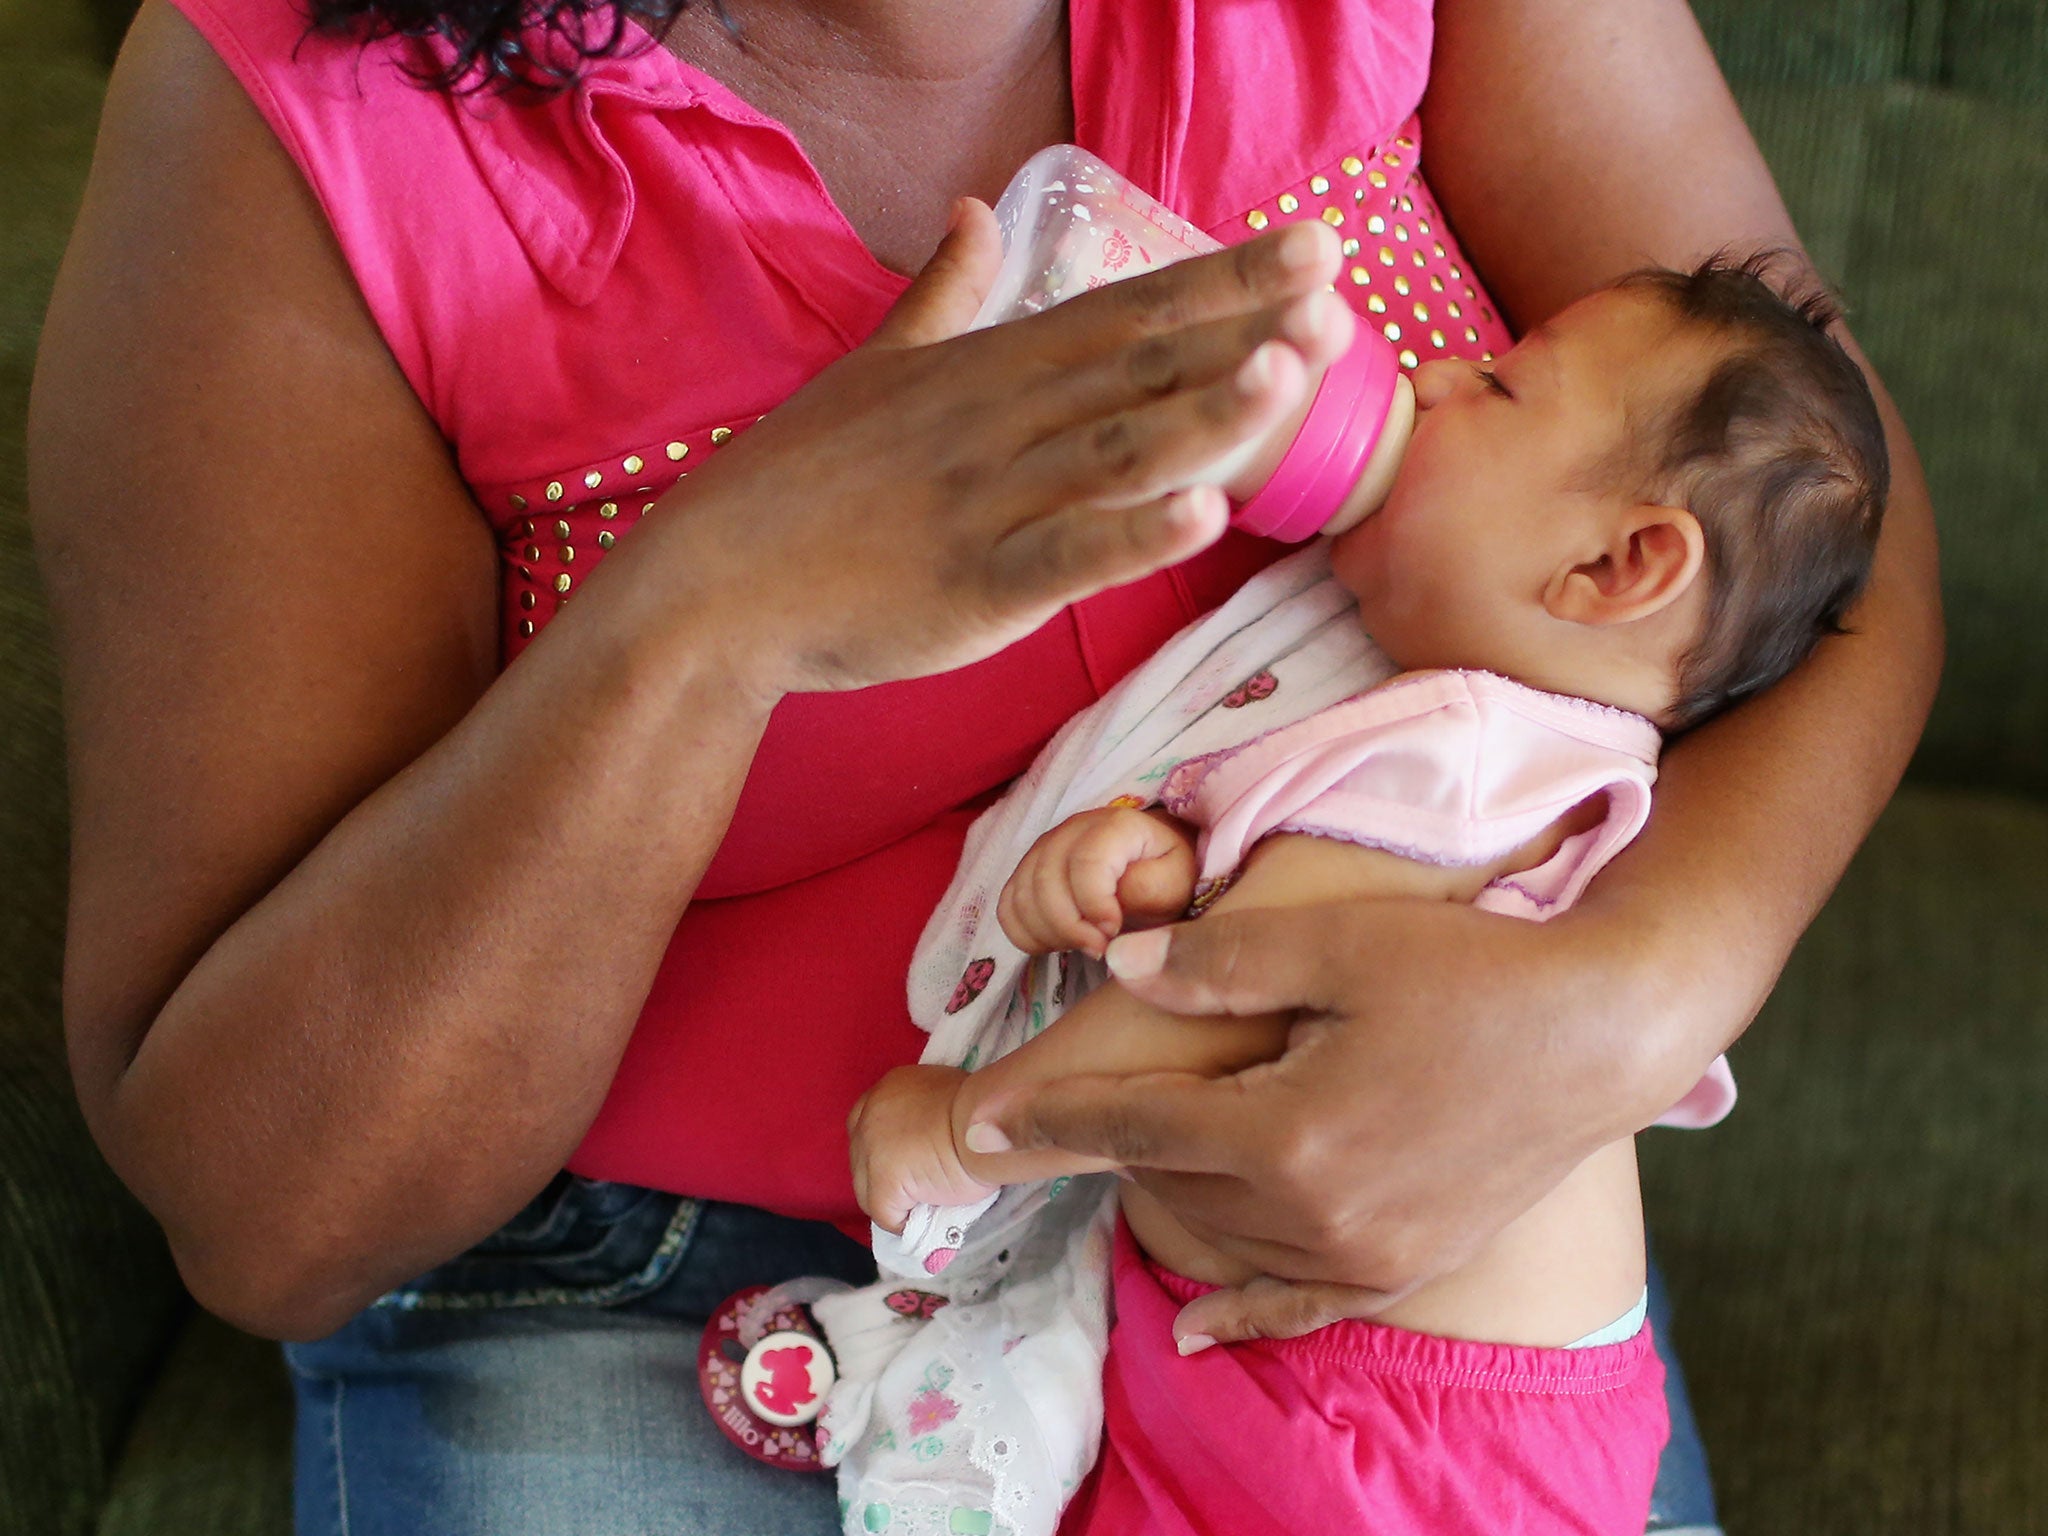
545, 1384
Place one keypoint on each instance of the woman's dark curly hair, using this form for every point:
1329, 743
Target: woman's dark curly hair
526, 47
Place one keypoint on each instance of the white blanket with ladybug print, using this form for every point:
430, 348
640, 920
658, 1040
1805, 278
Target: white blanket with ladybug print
969, 1394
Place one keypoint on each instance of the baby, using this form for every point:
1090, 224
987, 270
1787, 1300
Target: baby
1651, 507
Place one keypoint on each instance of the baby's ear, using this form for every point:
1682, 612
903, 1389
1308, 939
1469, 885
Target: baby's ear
1650, 559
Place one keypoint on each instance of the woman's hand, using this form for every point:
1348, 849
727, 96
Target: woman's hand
932, 496
1420, 1106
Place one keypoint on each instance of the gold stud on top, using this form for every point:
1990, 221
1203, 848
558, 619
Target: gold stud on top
526, 528
518, 502
562, 582
1450, 307
526, 628
606, 539
593, 480
608, 511
568, 553
1404, 142
554, 490
526, 600
1386, 257
1407, 205
1422, 226
1401, 286
634, 464
1376, 225
561, 528
1353, 165
1376, 304
1400, 231
1439, 250
532, 552
1351, 247
1436, 339
1256, 218
1391, 330
1470, 334
1408, 358
1422, 311
1319, 185
1420, 259
1334, 217
676, 451
1360, 276
1486, 357
719, 435
647, 509
1391, 159
1358, 194
1289, 202
1378, 180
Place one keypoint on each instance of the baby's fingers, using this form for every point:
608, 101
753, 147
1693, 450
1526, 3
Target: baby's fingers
1094, 867
1060, 922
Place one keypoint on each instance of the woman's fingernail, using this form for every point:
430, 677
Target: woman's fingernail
1134, 956
1299, 246
1194, 1343
1305, 319
1256, 370
986, 1137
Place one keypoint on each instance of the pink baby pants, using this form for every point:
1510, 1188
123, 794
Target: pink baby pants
1361, 1428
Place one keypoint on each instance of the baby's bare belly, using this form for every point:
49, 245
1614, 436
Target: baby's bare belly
1570, 1265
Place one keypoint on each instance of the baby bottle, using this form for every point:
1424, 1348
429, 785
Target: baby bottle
1070, 224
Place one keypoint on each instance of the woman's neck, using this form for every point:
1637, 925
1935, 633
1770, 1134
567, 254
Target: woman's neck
936, 43
903, 105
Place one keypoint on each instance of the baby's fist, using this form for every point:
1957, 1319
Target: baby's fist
900, 1138
1094, 875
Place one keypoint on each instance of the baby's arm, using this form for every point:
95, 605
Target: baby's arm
1081, 884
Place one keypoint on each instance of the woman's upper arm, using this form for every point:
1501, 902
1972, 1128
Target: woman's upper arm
1571, 141
270, 585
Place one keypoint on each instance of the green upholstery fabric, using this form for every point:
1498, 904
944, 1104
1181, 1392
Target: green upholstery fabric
211, 1446
87, 1296
1858, 1257
1930, 211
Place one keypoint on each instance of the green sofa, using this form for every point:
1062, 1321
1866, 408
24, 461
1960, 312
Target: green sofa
1859, 1258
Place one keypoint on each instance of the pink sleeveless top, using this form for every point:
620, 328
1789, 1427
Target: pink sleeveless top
591, 295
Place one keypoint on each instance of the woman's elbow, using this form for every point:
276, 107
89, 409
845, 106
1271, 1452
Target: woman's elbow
274, 1293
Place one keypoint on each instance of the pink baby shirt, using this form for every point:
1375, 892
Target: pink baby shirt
1454, 768
1442, 767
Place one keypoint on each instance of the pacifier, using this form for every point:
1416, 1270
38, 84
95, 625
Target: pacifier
764, 1371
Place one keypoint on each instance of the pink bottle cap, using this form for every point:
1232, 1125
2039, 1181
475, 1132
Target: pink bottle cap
1330, 451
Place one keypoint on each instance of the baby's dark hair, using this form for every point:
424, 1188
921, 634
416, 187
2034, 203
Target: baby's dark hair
1780, 453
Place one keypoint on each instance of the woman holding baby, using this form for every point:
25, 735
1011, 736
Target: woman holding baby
370, 938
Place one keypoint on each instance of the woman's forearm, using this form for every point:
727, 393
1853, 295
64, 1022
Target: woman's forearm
1759, 812
446, 982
